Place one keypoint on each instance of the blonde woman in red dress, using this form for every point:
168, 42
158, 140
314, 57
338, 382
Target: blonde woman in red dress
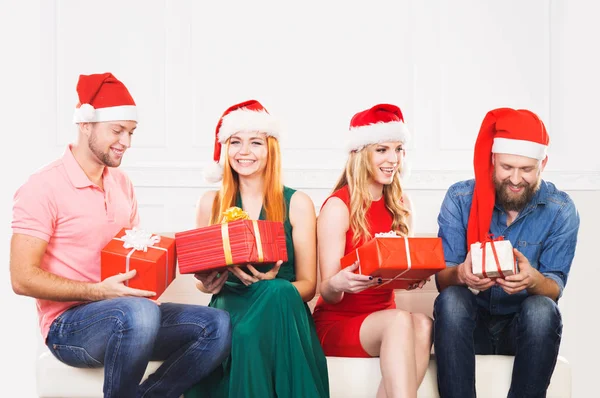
352, 320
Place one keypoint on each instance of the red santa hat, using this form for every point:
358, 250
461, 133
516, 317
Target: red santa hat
504, 130
103, 98
248, 116
381, 123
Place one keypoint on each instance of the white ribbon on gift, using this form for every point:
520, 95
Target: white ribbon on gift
140, 240
391, 234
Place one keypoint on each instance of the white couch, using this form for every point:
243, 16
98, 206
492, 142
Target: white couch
348, 377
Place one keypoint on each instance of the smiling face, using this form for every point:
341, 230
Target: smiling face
108, 141
247, 153
517, 179
385, 160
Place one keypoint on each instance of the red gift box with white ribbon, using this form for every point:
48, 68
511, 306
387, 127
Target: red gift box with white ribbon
399, 261
152, 256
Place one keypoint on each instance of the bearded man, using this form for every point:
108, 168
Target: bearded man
518, 314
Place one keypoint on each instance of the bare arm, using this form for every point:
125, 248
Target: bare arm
332, 225
304, 235
204, 209
29, 279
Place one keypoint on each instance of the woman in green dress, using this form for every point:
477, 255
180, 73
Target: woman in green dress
275, 350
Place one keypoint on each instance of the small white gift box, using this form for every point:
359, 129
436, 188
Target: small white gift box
493, 259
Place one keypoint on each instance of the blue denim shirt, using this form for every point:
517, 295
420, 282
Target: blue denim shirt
545, 232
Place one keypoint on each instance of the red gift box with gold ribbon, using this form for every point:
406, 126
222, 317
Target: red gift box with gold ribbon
399, 261
234, 242
152, 256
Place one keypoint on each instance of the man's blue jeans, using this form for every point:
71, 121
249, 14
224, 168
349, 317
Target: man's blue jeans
123, 334
463, 329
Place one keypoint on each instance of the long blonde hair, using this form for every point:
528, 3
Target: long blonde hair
273, 202
356, 176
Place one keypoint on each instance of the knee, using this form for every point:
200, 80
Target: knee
219, 326
453, 301
423, 325
400, 323
139, 316
540, 315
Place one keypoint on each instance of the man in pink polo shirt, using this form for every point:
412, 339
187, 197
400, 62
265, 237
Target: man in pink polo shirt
62, 218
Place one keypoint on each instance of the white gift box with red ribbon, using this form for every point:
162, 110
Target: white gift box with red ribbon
493, 259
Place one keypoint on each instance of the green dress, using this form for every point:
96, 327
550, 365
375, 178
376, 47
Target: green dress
275, 350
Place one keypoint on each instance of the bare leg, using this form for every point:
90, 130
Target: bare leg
423, 327
390, 335
381, 391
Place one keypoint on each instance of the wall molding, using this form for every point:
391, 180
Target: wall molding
190, 176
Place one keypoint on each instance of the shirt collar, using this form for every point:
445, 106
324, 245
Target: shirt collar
76, 174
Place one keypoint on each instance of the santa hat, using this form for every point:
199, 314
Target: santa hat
381, 123
504, 130
103, 98
248, 116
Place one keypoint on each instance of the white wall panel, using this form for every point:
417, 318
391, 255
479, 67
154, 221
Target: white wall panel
91, 37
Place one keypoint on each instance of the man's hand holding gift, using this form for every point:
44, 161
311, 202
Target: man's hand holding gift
527, 278
466, 276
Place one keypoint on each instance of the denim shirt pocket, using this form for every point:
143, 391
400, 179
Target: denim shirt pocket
531, 250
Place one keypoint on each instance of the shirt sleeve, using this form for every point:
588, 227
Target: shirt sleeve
34, 210
452, 231
558, 249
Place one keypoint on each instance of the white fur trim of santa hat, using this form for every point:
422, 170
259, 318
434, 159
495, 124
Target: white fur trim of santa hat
86, 113
243, 120
359, 137
529, 149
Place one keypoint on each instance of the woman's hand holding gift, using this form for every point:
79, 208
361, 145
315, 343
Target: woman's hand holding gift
349, 282
211, 282
256, 275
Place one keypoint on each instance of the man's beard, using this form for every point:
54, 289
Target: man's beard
104, 157
509, 200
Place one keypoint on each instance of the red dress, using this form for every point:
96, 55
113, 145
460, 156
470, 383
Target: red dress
338, 325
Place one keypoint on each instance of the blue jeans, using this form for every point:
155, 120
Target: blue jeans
123, 334
463, 329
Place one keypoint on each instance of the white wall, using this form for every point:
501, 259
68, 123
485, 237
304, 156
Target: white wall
313, 64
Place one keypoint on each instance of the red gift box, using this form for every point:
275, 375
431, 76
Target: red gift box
152, 256
386, 257
233, 243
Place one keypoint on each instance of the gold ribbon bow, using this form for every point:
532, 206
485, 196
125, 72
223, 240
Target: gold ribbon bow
237, 214
234, 214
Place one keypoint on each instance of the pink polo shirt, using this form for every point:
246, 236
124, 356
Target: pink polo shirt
60, 205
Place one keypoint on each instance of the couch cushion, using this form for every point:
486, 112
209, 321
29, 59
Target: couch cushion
359, 377
348, 377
